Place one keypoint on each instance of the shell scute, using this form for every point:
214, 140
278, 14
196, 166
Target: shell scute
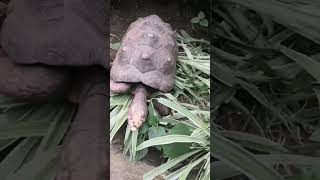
148, 54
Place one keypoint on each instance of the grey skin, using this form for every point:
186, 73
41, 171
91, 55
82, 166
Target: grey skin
138, 110
53, 50
146, 58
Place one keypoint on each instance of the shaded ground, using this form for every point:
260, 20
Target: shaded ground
121, 17
126, 12
121, 169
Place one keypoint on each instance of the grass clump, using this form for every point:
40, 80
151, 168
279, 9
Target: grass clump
30, 137
266, 114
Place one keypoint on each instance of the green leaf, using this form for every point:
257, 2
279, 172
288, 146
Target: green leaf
118, 120
4, 143
164, 167
134, 141
141, 154
255, 142
299, 17
169, 139
153, 117
41, 167
223, 170
115, 46
204, 22
153, 120
317, 91
195, 20
224, 74
59, 126
183, 111
201, 15
9, 102
315, 135
144, 129
24, 129
119, 99
191, 165
155, 132
241, 159
15, 158
259, 96
177, 149
309, 64
16, 114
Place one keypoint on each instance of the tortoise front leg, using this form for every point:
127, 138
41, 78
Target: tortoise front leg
119, 87
138, 110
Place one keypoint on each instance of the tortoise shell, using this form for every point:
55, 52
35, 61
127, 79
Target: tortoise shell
147, 54
64, 33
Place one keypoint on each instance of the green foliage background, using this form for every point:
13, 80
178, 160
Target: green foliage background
265, 70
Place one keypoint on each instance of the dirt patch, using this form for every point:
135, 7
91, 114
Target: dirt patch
124, 12
122, 16
122, 169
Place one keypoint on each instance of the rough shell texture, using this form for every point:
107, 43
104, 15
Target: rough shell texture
34, 82
56, 32
148, 54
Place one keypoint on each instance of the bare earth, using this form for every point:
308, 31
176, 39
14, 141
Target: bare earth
121, 169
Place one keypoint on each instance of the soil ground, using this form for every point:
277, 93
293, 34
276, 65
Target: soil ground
122, 14
121, 169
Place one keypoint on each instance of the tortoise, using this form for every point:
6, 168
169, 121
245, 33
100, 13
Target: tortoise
146, 60
44, 56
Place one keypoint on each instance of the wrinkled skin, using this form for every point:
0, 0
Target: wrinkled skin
53, 50
147, 55
119, 88
138, 109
